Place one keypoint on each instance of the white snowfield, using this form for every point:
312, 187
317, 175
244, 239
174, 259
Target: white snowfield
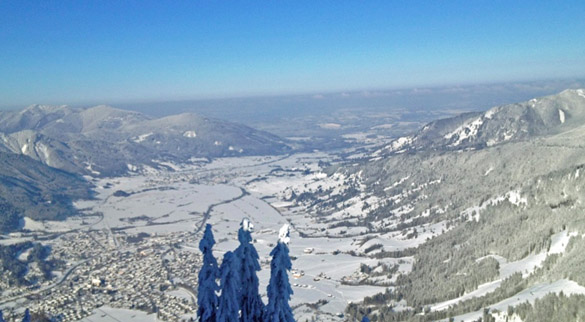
109, 314
465, 132
190, 134
561, 116
155, 208
514, 197
142, 137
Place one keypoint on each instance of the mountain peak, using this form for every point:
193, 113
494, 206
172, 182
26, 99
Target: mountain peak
41, 108
578, 93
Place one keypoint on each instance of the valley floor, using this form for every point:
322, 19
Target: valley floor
140, 236
132, 253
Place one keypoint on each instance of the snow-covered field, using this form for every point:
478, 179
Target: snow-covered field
155, 207
108, 314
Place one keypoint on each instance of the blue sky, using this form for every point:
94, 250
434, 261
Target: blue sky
72, 52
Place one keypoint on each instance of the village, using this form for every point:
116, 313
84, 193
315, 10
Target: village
154, 275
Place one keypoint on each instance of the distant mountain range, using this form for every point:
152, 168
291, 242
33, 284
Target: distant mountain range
104, 141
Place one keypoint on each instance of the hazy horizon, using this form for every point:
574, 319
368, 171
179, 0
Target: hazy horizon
475, 97
81, 53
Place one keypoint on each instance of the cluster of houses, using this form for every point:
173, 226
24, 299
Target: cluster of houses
141, 274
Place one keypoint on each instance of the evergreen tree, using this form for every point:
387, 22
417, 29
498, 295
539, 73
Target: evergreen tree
229, 305
251, 305
26, 316
206, 291
279, 290
1, 317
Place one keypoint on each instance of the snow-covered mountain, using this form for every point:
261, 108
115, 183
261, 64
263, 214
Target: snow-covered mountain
508, 123
490, 203
106, 141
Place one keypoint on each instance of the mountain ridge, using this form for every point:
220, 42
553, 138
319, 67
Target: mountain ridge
106, 141
502, 204
546, 115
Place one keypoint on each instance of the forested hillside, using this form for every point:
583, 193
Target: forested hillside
512, 213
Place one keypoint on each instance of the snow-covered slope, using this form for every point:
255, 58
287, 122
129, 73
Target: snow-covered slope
30, 188
508, 123
506, 186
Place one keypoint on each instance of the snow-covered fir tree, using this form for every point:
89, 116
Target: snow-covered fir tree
279, 290
1, 316
251, 305
229, 304
207, 300
26, 317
